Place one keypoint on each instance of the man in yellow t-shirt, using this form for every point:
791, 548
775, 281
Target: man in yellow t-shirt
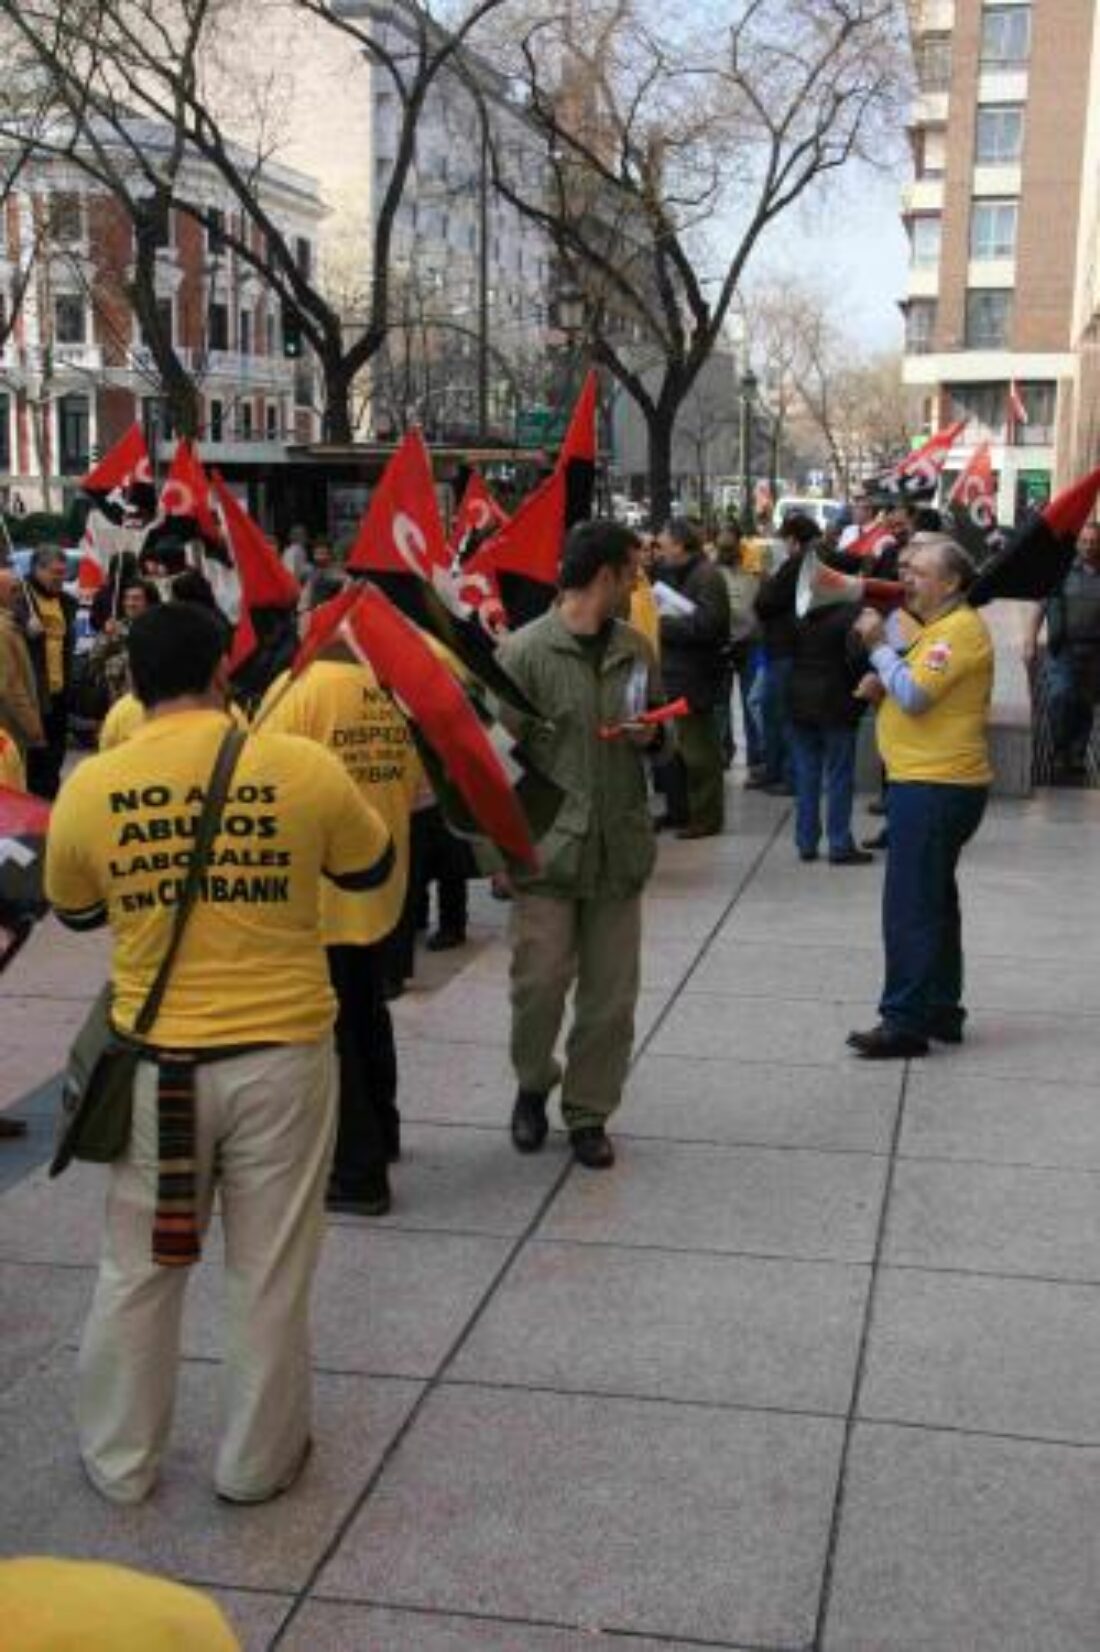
338, 703
52, 1605
932, 739
247, 1016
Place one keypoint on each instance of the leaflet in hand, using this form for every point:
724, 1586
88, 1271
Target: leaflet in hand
670, 601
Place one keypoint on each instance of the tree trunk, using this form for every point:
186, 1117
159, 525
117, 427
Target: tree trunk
659, 427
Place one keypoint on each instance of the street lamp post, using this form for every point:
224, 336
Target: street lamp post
748, 395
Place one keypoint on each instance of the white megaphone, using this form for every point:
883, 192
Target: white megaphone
820, 586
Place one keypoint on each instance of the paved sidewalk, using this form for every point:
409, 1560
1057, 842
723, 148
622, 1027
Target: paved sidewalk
817, 1366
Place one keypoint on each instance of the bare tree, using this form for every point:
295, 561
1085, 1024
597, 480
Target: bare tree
652, 132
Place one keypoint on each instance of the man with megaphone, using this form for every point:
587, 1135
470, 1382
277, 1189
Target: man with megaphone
931, 731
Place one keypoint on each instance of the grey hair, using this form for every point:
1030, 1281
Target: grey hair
45, 556
953, 560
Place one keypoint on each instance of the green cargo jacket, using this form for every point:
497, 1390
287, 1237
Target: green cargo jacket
602, 841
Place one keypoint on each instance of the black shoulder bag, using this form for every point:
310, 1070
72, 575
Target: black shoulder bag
97, 1096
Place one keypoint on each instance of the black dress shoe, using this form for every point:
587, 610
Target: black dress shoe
878, 807
852, 857
445, 940
879, 841
529, 1126
690, 832
946, 1031
591, 1147
808, 854
370, 1197
883, 1043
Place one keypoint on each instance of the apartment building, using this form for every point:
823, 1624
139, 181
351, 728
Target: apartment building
998, 134
74, 369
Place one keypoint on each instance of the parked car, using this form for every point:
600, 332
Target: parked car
821, 511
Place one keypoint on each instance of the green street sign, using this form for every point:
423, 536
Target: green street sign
540, 427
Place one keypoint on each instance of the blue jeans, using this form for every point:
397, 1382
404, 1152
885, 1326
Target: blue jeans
928, 826
823, 756
1071, 712
776, 674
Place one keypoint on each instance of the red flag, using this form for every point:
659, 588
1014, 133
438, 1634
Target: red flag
870, 541
975, 492
322, 626
580, 438
1067, 513
121, 483
920, 470
433, 698
402, 531
24, 821
477, 512
185, 497
530, 543
262, 579
1041, 552
1017, 409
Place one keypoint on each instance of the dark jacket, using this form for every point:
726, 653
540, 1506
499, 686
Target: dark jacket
775, 608
26, 614
827, 663
693, 646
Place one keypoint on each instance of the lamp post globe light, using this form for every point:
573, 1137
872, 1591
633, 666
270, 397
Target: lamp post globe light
748, 396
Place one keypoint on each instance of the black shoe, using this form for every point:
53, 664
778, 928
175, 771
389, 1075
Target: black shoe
852, 857
883, 1043
878, 807
668, 823
757, 781
879, 841
371, 1197
689, 832
808, 854
445, 940
529, 1126
946, 1031
591, 1147
779, 788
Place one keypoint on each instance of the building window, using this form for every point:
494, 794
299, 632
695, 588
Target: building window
934, 63
245, 334
70, 318
303, 256
984, 405
215, 231
271, 428
270, 331
73, 435
925, 234
217, 421
303, 386
160, 222
217, 327
66, 220
988, 318
1000, 134
1039, 400
920, 325
993, 229
1006, 36
244, 421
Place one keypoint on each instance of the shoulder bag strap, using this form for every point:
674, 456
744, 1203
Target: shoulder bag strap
209, 820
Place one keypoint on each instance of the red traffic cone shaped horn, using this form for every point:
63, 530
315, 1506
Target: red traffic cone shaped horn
820, 586
1068, 511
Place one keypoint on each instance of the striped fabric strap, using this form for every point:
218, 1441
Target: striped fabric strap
176, 1242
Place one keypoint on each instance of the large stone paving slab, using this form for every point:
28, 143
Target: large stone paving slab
668, 1521
952, 1113
996, 1219
326, 1626
793, 1032
47, 1506
54, 1221
385, 1303
1006, 1356
255, 1615
955, 1544
41, 1310
730, 1330
850, 1109
1052, 1049
822, 1206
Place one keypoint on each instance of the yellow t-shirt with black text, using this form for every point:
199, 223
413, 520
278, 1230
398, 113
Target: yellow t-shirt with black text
339, 704
251, 968
951, 661
128, 714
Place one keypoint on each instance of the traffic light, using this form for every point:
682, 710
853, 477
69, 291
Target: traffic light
293, 342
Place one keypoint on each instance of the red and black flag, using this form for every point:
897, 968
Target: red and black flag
917, 476
402, 546
262, 581
578, 453
1041, 552
447, 726
525, 555
478, 515
972, 505
24, 821
121, 502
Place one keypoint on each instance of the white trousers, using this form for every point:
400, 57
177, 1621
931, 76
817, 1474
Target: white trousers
265, 1124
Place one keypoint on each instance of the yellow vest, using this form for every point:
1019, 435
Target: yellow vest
951, 660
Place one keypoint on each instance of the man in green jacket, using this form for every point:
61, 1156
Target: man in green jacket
578, 918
